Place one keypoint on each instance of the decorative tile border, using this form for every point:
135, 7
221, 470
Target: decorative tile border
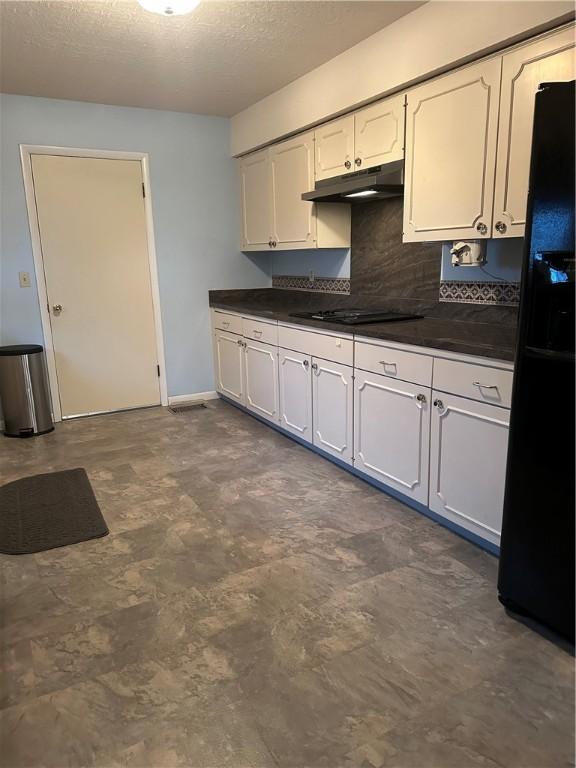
318, 285
500, 294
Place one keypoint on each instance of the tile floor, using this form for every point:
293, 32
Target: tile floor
257, 606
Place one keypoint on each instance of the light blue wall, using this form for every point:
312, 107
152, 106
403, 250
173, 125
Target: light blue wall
503, 262
324, 263
196, 217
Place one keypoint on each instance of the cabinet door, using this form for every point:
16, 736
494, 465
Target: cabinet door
334, 150
468, 463
295, 393
392, 432
261, 370
229, 364
292, 165
379, 133
256, 201
332, 405
549, 59
451, 127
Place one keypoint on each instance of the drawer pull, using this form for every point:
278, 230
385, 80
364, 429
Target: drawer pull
387, 363
256, 332
225, 323
484, 386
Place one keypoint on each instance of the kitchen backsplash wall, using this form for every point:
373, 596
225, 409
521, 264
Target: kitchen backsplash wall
385, 266
380, 264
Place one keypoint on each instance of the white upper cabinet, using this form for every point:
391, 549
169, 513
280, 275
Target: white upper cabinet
451, 132
334, 148
391, 432
548, 59
292, 167
379, 133
274, 216
256, 199
333, 401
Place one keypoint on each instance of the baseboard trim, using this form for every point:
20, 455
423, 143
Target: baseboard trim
487, 546
175, 399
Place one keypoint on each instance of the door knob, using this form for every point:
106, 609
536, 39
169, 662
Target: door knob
347, 164
482, 228
501, 227
56, 308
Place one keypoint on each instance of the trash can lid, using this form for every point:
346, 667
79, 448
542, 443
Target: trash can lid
21, 349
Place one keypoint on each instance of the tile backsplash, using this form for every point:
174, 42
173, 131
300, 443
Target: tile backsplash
381, 265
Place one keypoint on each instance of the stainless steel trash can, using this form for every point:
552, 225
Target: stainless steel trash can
24, 397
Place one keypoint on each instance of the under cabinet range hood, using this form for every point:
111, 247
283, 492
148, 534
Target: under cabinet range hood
375, 183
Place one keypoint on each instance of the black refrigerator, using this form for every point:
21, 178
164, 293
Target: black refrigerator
536, 572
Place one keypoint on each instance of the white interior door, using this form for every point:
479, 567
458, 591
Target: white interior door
332, 403
295, 393
92, 224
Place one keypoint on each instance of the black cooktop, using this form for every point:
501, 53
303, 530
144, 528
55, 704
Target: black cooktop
355, 316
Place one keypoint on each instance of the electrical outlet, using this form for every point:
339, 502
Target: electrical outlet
311, 276
24, 278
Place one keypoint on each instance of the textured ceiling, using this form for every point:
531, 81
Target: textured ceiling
218, 60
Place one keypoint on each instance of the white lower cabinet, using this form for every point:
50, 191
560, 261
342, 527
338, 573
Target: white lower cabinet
468, 448
229, 364
295, 393
261, 376
391, 432
332, 407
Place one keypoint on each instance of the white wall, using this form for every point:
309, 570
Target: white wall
196, 217
433, 38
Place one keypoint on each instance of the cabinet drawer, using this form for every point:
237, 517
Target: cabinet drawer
225, 321
259, 331
336, 348
478, 382
408, 366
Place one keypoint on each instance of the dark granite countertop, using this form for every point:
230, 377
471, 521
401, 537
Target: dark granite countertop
465, 336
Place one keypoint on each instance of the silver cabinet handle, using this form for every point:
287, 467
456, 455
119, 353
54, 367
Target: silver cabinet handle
239, 342
305, 363
270, 243
225, 323
421, 398
439, 404
256, 332
347, 164
482, 228
56, 308
314, 366
501, 227
484, 386
388, 363
358, 161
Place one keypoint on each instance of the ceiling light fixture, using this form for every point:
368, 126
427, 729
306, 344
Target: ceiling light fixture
169, 7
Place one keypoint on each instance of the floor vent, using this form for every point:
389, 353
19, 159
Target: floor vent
185, 407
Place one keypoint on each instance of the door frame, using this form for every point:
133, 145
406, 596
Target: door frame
26, 152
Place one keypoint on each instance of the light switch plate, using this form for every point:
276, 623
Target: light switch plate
24, 278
